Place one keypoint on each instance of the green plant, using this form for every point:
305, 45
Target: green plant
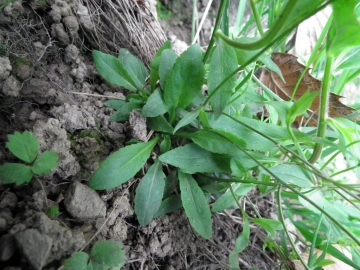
213, 144
103, 256
25, 147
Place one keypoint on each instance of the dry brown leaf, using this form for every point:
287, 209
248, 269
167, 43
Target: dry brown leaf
291, 70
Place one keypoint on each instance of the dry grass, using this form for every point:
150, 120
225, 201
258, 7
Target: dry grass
124, 24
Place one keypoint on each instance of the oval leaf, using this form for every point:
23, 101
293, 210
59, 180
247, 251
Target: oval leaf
291, 174
185, 80
192, 158
196, 205
108, 254
223, 63
113, 70
149, 194
167, 61
154, 105
216, 143
122, 165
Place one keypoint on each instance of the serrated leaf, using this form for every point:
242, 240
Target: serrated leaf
185, 80
160, 124
123, 113
149, 194
154, 65
135, 68
167, 61
169, 205
122, 165
114, 71
115, 104
45, 163
291, 174
108, 254
24, 146
244, 239
192, 158
196, 205
154, 105
14, 173
186, 119
77, 261
223, 62
269, 225
227, 200
214, 142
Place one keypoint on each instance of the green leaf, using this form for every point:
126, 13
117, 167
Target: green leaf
154, 65
115, 104
154, 105
204, 119
185, 80
122, 165
77, 261
227, 200
343, 34
134, 67
223, 62
167, 61
243, 56
191, 159
169, 205
196, 205
253, 140
123, 113
301, 106
114, 71
149, 194
24, 146
108, 254
165, 145
291, 174
269, 225
160, 124
45, 163
187, 119
234, 261
214, 142
244, 239
14, 173
237, 168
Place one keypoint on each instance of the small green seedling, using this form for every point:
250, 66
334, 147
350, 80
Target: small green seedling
104, 255
25, 146
53, 212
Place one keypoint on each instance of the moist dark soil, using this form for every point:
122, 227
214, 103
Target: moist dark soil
49, 86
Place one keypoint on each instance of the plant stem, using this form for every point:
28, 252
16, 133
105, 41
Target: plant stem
257, 17
268, 37
216, 27
324, 103
282, 220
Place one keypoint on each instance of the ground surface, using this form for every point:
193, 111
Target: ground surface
49, 86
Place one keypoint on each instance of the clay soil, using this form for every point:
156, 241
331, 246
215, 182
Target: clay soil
49, 86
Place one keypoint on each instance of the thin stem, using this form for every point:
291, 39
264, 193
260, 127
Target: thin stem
324, 103
282, 220
257, 17
216, 27
267, 38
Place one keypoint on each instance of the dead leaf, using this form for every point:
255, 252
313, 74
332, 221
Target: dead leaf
292, 70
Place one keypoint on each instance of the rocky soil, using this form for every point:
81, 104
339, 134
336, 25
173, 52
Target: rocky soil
49, 86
